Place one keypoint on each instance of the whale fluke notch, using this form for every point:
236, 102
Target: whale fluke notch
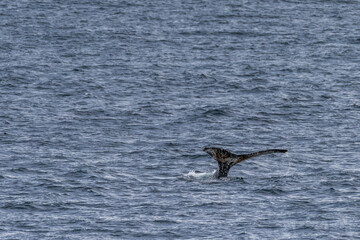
227, 159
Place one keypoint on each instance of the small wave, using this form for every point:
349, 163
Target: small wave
215, 112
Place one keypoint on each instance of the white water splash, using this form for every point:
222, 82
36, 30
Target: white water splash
200, 175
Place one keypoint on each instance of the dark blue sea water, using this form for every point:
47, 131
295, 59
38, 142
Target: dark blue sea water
105, 107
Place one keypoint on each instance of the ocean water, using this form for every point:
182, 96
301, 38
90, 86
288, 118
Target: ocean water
105, 107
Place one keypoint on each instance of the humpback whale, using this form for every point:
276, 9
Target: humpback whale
227, 159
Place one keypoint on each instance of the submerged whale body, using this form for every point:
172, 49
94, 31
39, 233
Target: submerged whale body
227, 159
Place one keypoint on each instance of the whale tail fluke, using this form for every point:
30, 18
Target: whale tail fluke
227, 159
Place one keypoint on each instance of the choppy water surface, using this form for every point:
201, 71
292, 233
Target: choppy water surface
106, 105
